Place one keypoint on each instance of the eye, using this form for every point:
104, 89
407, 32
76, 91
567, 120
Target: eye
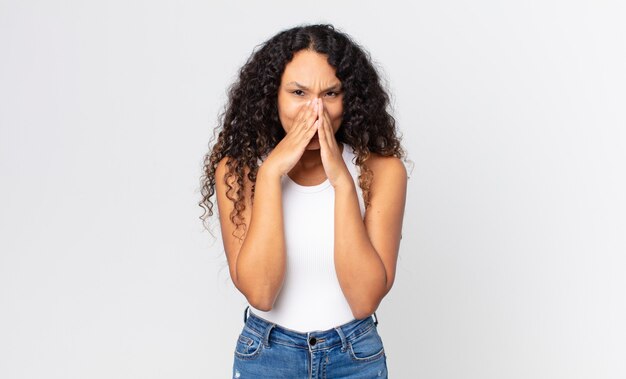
334, 93
298, 90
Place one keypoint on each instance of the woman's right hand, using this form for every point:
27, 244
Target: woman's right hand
290, 149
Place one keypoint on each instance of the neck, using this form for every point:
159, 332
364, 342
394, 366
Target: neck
311, 160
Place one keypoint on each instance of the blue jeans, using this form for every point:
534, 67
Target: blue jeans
267, 350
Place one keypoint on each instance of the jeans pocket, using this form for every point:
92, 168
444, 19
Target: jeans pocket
249, 344
367, 346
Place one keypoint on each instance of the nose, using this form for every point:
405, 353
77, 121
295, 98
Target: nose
319, 101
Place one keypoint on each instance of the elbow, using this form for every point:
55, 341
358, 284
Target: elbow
365, 311
253, 294
260, 298
361, 314
255, 298
366, 307
260, 303
259, 294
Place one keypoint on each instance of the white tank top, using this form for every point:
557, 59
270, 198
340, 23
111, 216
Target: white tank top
311, 298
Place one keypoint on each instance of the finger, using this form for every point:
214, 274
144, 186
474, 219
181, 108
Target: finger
315, 110
320, 130
300, 115
315, 128
312, 125
324, 137
311, 114
322, 127
321, 109
304, 119
306, 136
329, 136
329, 123
324, 113
307, 112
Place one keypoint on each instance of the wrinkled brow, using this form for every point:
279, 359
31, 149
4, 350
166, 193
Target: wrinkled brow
335, 87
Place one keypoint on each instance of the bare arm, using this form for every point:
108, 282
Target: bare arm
257, 265
366, 250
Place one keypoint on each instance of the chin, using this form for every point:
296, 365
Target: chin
314, 144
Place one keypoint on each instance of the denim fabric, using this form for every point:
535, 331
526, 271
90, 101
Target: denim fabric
267, 350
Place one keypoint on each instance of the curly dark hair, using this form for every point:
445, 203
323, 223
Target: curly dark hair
250, 126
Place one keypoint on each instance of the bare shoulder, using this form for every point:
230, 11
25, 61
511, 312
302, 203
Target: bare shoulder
388, 171
222, 169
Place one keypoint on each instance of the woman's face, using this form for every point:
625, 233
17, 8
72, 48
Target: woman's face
306, 77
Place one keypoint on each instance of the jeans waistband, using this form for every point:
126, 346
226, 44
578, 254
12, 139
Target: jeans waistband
314, 340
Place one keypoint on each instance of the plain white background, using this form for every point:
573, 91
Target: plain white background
512, 262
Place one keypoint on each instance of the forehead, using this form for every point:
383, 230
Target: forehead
308, 65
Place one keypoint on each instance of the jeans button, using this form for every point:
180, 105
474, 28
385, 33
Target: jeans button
312, 341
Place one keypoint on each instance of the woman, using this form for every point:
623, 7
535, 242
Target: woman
311, 190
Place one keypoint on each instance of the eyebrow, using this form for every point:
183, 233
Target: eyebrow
334, 86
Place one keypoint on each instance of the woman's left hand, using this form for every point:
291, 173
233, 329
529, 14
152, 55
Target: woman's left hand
332, 159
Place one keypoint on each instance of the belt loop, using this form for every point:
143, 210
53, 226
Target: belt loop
375, 318
343, 339
266, 335
245, 314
